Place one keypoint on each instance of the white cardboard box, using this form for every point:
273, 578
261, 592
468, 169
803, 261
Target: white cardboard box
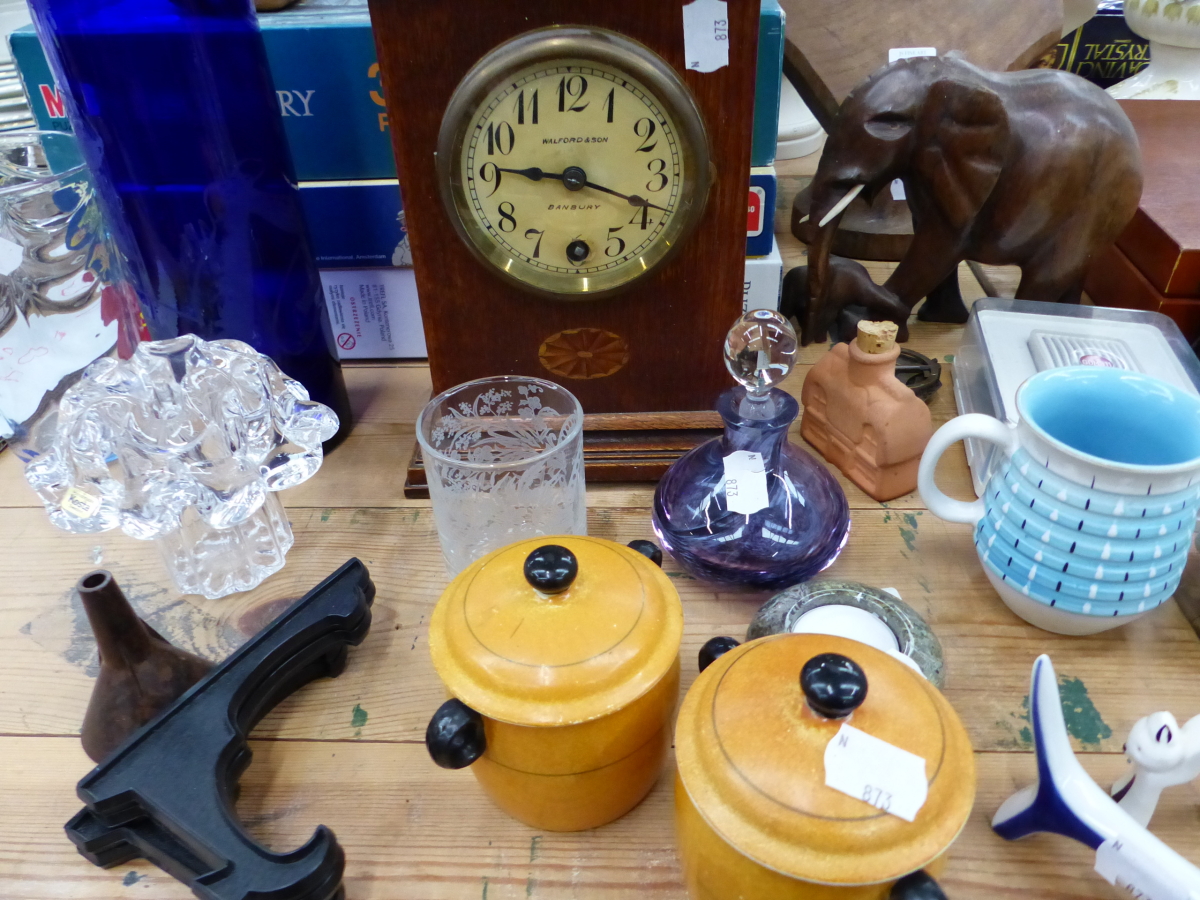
374, 313
763, 281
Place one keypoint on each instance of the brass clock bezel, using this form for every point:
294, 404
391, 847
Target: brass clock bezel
607, 48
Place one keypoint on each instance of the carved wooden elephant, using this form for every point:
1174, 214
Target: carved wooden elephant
1038, 169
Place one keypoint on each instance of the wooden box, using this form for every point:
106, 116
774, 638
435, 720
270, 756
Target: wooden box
1113, 280
1163, 240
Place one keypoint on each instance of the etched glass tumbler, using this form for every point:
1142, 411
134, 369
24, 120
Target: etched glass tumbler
504, 461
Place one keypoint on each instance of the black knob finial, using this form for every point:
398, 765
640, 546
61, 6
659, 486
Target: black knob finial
648, 549
834, 685
551, 568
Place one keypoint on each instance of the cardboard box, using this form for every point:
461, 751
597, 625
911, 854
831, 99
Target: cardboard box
322, 59
1103, 49
764, 281
760, 211
374, 313
767, 83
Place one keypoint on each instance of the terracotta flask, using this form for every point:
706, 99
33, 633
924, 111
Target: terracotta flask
140, 672
862, 418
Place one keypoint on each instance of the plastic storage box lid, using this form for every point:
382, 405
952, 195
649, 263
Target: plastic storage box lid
1008, 341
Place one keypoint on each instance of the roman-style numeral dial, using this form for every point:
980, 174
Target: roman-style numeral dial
573, 160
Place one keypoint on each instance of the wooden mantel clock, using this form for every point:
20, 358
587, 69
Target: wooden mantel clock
575, 198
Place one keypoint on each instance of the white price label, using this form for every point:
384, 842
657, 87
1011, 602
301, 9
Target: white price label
909, 52
745, 482
898, 189
706, 35
1134, 875
11, 255
876, 772
79, 503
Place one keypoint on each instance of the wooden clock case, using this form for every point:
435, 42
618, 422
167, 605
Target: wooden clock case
671, 323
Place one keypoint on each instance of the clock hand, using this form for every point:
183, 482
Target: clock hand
575, 179
634, 199
533, 173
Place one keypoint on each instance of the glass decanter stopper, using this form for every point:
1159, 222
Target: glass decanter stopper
749, 507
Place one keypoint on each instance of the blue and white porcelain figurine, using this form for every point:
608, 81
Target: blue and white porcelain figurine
1065, 800
1161, 754
1088, 524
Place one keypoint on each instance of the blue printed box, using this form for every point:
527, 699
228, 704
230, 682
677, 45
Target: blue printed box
760, 211
355, 224
326, 78
323, 62
767, 84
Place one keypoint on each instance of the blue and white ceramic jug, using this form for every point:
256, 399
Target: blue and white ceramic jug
1088, 523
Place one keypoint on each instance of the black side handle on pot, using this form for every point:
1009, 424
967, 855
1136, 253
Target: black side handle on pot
648, 549
714, 648
916, 886
455, 737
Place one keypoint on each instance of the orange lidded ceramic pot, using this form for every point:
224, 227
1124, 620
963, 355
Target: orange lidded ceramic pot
561, 656
816, 768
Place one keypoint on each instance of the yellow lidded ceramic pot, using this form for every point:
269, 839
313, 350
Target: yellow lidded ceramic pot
754, 815
561, 655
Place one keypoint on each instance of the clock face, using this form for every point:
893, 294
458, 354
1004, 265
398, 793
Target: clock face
573, 173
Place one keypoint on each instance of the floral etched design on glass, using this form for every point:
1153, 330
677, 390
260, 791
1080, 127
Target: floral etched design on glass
504, 460
750, 507
184, 444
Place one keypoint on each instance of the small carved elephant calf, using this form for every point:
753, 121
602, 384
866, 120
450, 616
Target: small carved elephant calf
850, 291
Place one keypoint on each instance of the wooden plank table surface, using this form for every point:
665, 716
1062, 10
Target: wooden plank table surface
348, 752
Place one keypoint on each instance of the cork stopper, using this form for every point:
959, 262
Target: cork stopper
876, 337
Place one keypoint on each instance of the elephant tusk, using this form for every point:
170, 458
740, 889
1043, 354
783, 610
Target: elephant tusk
841, 204
802, 220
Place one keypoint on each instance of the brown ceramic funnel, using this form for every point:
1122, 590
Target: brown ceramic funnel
140, 672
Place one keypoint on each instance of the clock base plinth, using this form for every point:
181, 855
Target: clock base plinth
617, 446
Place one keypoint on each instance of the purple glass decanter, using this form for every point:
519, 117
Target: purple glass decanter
750, 508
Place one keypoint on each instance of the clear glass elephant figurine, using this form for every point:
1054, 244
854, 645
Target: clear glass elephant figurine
185, 444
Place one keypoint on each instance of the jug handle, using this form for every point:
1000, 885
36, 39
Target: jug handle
455, 736
917, 885
972, 425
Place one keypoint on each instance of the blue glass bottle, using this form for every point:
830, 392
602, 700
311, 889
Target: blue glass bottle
176, 115
751, 508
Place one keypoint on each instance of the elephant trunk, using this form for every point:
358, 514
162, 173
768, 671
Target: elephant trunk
826, 213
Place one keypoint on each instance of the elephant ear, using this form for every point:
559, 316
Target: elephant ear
962, 135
